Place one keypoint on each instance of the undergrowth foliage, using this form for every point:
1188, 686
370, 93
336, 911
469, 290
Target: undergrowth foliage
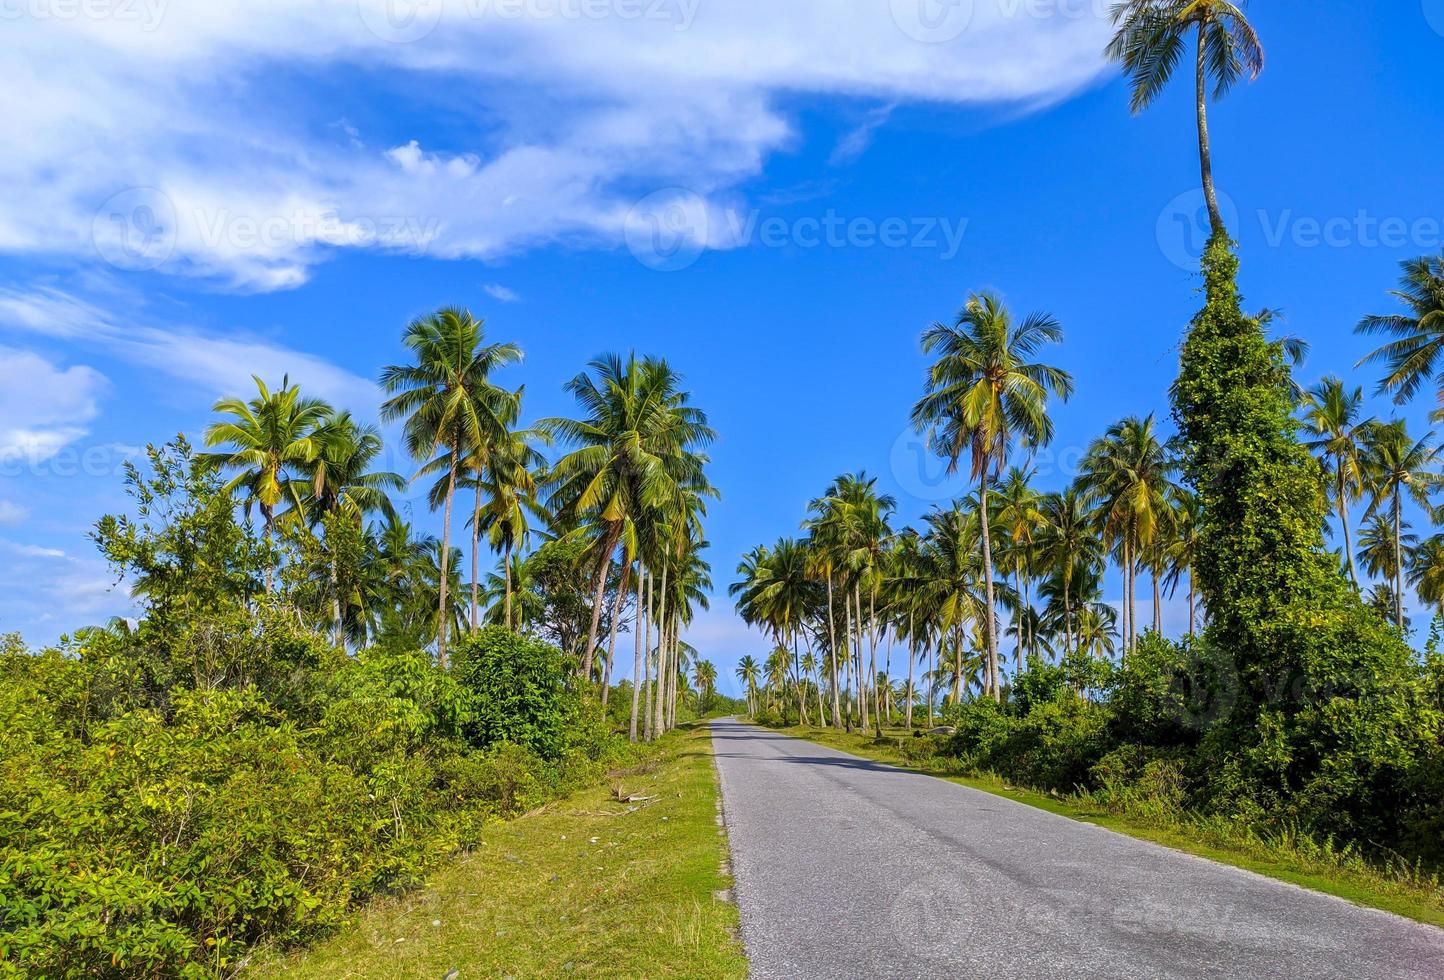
177, 790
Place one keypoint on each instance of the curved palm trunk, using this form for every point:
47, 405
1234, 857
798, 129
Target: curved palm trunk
1205, 152
991, 624
476, 556
444, 563
1344, 522
637, 651
599, 590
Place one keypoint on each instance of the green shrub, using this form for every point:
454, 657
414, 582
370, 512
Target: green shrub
517, 689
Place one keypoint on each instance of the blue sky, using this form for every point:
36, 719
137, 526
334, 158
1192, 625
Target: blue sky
200, 192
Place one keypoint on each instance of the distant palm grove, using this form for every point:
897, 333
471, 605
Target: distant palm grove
316, 703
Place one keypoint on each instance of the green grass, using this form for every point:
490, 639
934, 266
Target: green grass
1300, 862
586, 887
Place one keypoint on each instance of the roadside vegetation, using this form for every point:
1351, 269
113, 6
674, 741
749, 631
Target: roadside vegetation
1298, 711
622, 880
315, 704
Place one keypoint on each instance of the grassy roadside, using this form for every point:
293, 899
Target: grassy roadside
588, 886
1347, 879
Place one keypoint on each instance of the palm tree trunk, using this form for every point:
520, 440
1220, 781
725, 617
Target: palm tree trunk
1191, 619
832, 654
599, 589
1205, 152
1398, 560
647, 659
662, 623
991, 625
1157, 602
506, 602
612, 639
958, 663
912, 660
445, 562
637, 650
932, 678
336, 597
797, 673
849, 667
476, 556
864, 713
1067, 617
1344, 522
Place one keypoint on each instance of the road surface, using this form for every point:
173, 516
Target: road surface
849, 868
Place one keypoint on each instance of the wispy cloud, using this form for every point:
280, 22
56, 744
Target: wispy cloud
501, 293
170, 140
214, 364
859, 138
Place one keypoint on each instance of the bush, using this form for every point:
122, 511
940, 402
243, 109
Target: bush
518, 691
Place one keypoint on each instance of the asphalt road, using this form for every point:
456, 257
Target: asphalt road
849, 868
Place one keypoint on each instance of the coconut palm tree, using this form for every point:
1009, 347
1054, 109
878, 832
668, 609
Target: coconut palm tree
1396, 466
636, 450
450, 406
1067, 542
1426, 571
1151, 38
750, 675
986, 396
1332, 417
270, 442
1128, 472
1181, 548
509, 484
1412, 358
955, 586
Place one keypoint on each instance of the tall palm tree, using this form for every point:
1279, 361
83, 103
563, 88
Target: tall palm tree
1413, 357
1397, 466
985, 396
955, 590
269, 442
1128, 472
451, 407
1150, 39
636, 450
1331, 415
344, 487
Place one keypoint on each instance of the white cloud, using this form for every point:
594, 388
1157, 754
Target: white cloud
32, 550
12, 513
177, 136
501, 293
856, 141
216, 365
43, 407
